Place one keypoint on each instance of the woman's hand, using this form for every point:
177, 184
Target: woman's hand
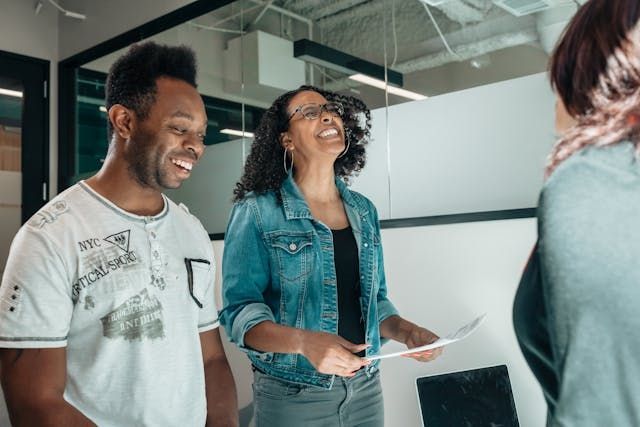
401, 330
418, 337
332, 354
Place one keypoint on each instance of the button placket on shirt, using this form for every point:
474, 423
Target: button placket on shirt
157, 263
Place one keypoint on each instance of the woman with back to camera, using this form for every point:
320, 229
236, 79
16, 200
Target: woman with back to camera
576, 310
303, 276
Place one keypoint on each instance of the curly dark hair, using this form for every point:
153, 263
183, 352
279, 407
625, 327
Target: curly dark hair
132, 78
264, 171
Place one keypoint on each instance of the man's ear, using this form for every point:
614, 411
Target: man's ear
122, 119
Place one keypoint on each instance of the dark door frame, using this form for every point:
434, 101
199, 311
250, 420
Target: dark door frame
34, 75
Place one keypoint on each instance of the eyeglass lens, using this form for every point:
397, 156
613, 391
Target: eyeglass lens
313, 111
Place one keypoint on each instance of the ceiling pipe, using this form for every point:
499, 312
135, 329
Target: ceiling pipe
288, 13
470, 50
334, 8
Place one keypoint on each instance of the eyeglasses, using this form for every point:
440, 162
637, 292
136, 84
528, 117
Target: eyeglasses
313, 111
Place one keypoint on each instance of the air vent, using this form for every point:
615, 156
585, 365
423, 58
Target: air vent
523, 7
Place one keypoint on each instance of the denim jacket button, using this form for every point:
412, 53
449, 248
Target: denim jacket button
293, 246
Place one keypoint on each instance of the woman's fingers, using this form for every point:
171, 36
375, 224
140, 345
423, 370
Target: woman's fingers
425, 356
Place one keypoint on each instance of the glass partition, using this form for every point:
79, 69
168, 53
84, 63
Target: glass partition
392, 54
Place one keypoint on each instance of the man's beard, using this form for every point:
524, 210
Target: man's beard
144, 163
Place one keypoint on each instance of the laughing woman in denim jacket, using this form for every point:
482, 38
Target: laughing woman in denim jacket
303, 276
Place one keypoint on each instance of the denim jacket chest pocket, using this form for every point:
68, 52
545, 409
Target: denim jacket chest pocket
292, 251
369, 249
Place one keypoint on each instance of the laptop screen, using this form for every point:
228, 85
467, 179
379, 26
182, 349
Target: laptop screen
474, 398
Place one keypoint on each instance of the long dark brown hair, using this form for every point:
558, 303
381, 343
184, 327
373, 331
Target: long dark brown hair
595, 70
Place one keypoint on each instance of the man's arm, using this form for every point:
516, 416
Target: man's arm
222, 402
33, 381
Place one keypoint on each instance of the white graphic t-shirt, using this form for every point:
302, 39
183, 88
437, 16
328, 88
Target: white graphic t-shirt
126, 295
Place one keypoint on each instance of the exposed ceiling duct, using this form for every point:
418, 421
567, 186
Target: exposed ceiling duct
472, 28
469, 50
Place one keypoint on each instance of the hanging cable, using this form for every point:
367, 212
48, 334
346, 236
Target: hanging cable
210, 28
395, 37
440, 32
386, 108
267, 5
244, 139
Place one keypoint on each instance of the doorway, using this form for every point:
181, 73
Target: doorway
24, 143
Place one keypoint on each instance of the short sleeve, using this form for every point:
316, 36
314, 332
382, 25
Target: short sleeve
35, 294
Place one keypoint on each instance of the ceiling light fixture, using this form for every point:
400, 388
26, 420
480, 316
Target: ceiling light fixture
380, 84
334, 59
9, 92
237, 133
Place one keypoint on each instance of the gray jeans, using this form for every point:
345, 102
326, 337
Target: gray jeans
352, 402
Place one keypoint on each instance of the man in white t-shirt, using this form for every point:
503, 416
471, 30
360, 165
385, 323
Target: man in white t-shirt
107, 311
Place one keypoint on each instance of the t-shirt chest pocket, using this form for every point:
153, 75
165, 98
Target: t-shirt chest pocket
293, 253
198, 279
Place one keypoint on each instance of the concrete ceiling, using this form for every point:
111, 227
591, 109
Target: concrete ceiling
471, 27
404, 32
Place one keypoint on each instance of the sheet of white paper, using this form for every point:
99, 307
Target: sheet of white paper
458, 335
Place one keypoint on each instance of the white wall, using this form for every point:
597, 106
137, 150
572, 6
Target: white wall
208, 192
479, 149
107, 19
26, 33
441, 277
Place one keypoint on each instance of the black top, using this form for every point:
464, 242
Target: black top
350, 323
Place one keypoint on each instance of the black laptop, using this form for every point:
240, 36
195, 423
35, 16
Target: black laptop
474, 398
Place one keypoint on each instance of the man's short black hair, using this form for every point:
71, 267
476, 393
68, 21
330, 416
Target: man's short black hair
132, 78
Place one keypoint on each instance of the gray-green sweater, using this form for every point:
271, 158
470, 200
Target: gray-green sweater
577, 310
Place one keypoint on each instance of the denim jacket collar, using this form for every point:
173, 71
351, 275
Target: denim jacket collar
296, 207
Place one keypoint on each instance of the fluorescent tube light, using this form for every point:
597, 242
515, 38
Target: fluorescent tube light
102, 108
8, 92
391, 89
237, 133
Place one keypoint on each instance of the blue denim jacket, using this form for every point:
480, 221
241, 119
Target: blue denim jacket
278, 265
